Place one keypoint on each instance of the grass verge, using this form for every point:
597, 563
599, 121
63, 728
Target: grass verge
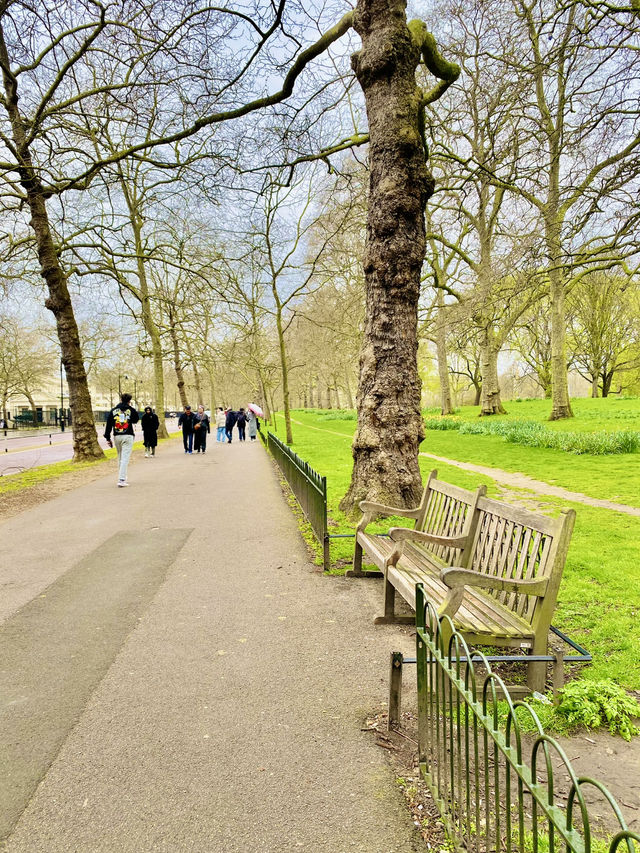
599, 602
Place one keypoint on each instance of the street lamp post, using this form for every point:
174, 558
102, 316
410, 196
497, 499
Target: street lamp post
61, 400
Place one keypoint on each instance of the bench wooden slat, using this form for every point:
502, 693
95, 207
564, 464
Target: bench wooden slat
479, 611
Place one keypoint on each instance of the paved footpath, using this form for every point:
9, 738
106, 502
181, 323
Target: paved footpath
175, 675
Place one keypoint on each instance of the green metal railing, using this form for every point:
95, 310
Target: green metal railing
309, 488
489, 796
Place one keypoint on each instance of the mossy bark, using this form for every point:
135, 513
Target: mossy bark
390, 427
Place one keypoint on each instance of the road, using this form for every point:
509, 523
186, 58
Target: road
21, 451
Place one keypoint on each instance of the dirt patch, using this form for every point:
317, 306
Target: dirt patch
611, 761
13, 503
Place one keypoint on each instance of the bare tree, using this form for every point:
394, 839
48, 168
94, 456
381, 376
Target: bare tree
68, 59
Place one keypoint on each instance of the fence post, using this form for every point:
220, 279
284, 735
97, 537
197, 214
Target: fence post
395, 689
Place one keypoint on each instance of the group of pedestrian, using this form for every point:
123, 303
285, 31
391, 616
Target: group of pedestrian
227, 419
195, 428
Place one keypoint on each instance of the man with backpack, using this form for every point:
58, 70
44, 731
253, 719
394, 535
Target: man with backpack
120, 421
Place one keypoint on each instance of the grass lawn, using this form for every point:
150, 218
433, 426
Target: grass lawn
599, 603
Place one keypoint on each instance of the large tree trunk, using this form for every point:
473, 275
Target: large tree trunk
85, 441
390, 427
284, 369
490, 402
347, 388
177, 364
147, 318
446, 405
560, 403
196, 372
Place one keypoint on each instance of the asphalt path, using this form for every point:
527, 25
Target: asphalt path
177, 676
21, 452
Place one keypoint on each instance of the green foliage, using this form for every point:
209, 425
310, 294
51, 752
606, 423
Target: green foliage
587, 704
534, 434
339, 415
442, 423
597, 703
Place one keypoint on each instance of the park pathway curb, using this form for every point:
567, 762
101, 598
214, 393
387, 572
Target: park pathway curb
229, 718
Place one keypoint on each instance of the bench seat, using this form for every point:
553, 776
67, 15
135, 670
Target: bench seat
480, 618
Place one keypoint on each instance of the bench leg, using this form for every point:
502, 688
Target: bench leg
357, 559
390, 617
537, 672
356, 571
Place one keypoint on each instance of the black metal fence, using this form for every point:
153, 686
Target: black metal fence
309, 488
491, 798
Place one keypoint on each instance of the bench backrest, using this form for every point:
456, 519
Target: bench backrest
447, 510
518, 544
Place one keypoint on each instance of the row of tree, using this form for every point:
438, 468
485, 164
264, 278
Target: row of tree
156, 158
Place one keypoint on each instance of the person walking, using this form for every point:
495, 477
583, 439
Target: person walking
241, 421
252, 421
202, 428
220, 424
186, 421
120, 421
229, 424
150, 425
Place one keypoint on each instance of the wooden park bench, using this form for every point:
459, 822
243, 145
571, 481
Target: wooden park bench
495, 569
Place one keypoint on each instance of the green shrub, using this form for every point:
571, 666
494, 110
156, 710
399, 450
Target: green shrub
442, 423
596, 703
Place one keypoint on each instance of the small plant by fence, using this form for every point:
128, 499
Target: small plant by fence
489, 796
309, 488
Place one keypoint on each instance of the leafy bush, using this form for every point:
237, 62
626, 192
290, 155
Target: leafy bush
596, 703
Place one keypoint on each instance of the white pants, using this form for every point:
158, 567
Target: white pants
124, 446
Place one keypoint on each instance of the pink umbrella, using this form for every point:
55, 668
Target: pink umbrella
256, 410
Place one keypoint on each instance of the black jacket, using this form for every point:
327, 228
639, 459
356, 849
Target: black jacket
150, 423
231, 419
120, 421
186, 421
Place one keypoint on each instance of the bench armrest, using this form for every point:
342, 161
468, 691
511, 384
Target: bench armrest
370, 510
457, 577
404, 534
